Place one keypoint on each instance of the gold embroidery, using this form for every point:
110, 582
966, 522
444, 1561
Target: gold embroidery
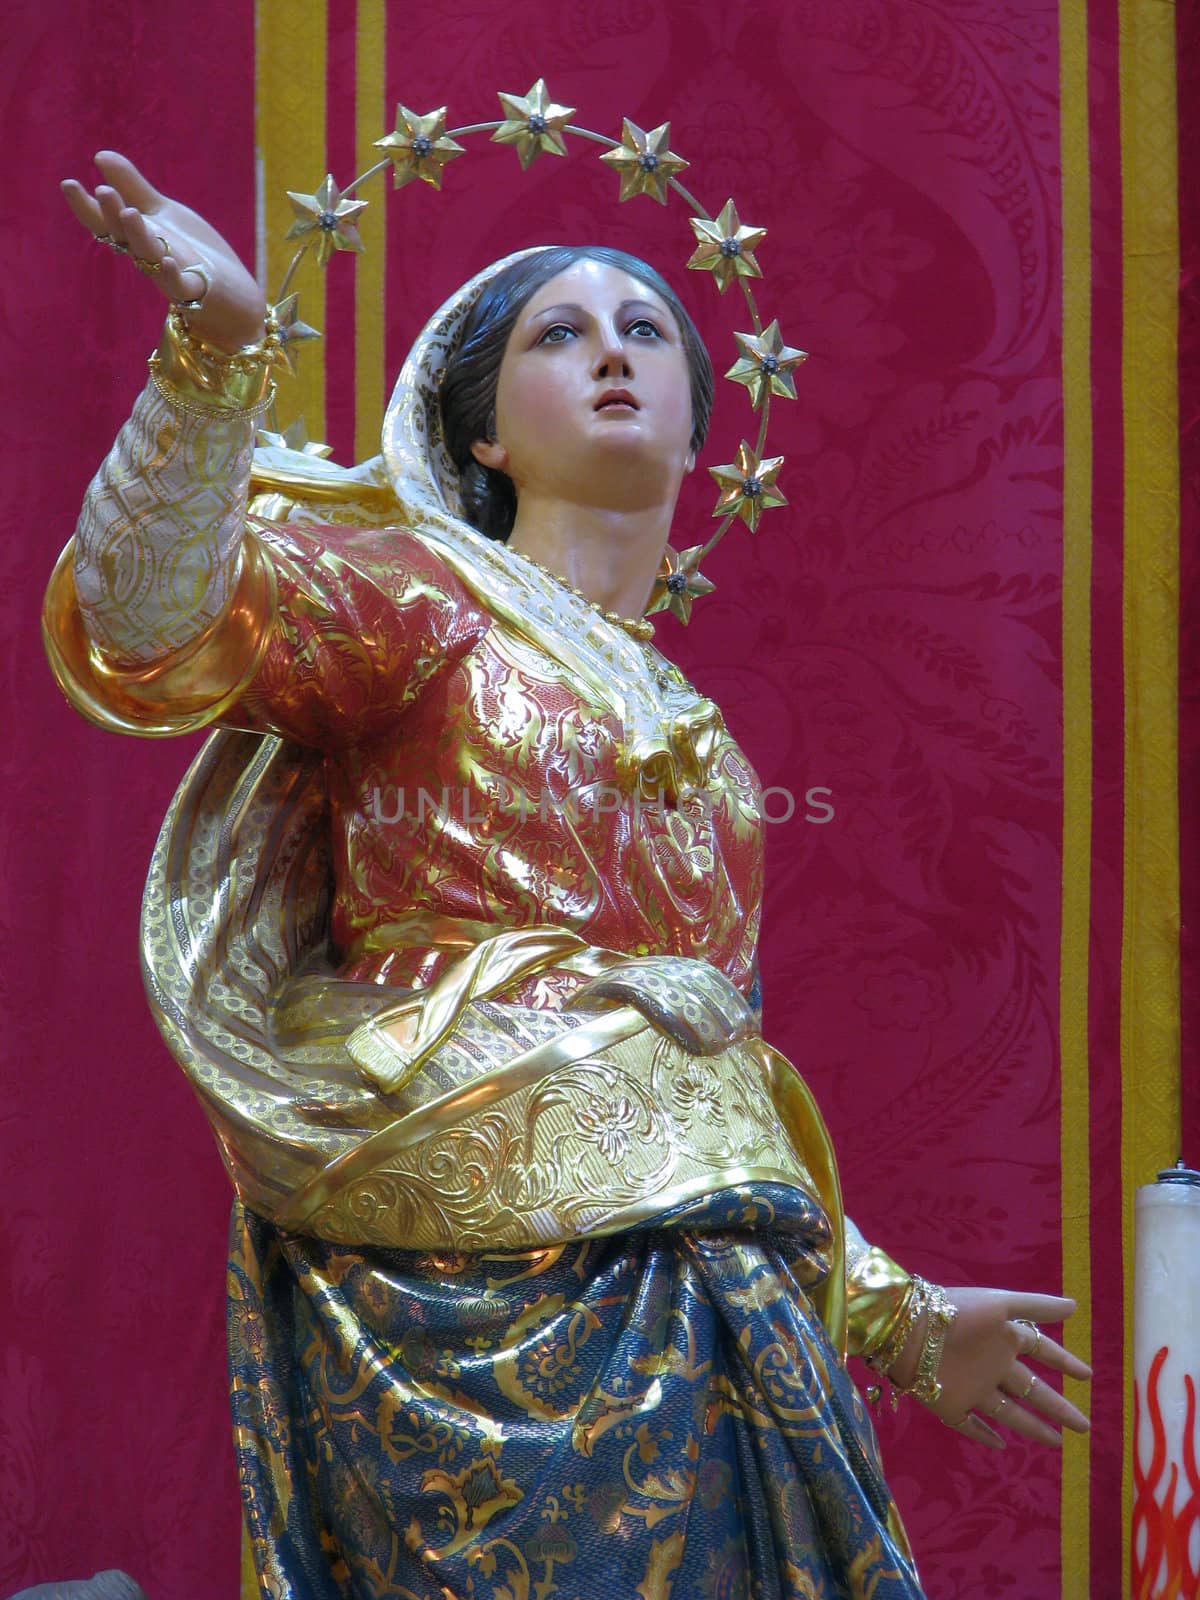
581, 1149
157, 540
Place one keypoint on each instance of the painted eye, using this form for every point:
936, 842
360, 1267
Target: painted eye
558, 334
643, 328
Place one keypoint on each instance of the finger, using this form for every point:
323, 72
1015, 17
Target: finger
184, 284
84, 207
1055, 1355
175, 280
121, 173
1031, 1390
153, 247
1045, 1398
111, 206
1021, 1383
1050, 1308
179, 283
977, 1430
1027, 1423
145, 242
1025, 1388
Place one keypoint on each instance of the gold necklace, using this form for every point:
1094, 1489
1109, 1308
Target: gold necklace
639, 628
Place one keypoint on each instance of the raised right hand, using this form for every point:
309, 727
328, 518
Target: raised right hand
130, 211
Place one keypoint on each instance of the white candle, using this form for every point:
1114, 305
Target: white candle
1166, 1377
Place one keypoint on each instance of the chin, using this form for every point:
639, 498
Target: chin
631, 493
627, 441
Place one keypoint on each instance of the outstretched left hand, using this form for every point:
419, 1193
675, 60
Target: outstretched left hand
985, 1376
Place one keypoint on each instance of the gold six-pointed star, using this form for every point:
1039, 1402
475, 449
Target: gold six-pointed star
748, 486
679, 583
644, 161
284, 321
765, 364
420, 146
533, 123
329, 215
726, 247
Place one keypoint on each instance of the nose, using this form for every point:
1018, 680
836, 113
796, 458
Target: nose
612, 356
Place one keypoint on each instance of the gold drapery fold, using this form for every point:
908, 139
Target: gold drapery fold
178, 693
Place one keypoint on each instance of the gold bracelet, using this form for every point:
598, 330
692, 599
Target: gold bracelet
200, 374
890, 1351
207, 413
941, 1314
263, 354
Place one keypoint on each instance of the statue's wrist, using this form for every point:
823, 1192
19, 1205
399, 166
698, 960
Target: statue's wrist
911, 1357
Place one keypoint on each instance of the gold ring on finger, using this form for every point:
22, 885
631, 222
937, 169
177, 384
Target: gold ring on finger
994, 1411
197, 301
150, 268
1024, 1322
1029, 1387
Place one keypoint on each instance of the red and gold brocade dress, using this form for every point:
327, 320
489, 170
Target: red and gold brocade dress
538, 1276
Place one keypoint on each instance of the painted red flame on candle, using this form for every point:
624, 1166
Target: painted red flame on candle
1165, 1570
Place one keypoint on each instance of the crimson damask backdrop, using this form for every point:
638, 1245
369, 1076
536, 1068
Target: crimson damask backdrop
895, 637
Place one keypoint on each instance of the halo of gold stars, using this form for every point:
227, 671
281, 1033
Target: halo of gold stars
726, 247
748, 486
765, 365
534, 123
328, 214
645, 162
420, 147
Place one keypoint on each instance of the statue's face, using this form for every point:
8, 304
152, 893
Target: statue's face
594, 400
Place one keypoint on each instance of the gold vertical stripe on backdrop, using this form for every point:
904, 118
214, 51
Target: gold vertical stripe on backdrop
1150, 1116
289, 130
1074, 1145
370, 123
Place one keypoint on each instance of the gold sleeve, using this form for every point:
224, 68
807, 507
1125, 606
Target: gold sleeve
878, 1292
158, 612
179, 692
